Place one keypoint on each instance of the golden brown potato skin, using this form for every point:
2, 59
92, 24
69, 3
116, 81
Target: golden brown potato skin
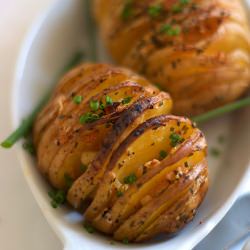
202, 56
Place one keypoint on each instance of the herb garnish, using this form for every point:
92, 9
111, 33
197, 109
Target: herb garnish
102, 106
109, 100
178, 7
58, 197
89, 228
221, 139
163, 154
215, 152
26, 126
127, 11
170, 30
127, 100
130, 179
29, 146
125, 241
119, 193
77, 99
94, 105
158, 85
89, 118
83, 168
154, 10
68, 180
175, 139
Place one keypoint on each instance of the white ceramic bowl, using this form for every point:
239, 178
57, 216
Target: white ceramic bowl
52, 41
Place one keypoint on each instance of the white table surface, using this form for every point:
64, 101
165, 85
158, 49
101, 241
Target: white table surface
22, 225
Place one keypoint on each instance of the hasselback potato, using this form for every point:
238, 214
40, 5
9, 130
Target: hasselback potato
197, 50
70, 129
107, 139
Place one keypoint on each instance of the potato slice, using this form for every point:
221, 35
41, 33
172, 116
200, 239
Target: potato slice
139, 112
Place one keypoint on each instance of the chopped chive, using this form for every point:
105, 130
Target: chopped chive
89, 228
119, 193
68, 180
83, 168
184, 2
77, 99
109, 100
102, 106
125, 241
163, 154
94, 105
127, 11
155, 10
26, 125
178, 7
175, 31
165, 28
130, 179
89, 118
170, 30
222, 110
221, 139
54, 204
127, 100
175, 139
158, 85
29, 146
58, 197
215, 152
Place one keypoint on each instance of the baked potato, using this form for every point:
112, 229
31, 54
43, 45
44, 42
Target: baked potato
70, 129
107, 139
197, 50
159, 170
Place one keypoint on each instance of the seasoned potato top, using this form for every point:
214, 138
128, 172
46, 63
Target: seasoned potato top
197, 50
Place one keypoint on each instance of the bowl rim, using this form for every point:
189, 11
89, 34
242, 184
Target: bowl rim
33, 31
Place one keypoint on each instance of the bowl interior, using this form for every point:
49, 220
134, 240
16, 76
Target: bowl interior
53, 40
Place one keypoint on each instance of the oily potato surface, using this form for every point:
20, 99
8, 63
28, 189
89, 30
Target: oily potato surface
197, 50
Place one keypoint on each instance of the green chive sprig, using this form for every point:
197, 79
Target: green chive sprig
222, 110
27, 123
